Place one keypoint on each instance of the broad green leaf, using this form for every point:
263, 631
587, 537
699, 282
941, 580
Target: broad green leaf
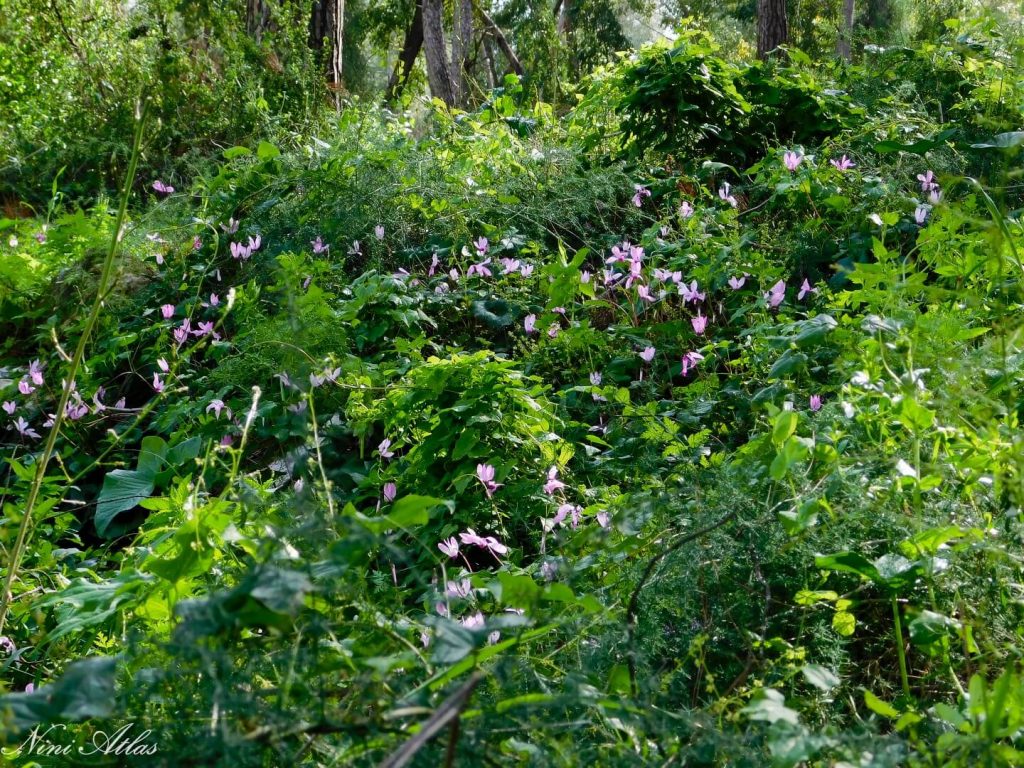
880, 707
122, 490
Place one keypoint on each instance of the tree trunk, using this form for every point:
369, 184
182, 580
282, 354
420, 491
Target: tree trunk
462, 37
407, 58
257, 18
846, 32
436, 52
502, 41
327, 31
772, 26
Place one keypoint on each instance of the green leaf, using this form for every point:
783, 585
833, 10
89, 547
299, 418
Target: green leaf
1002, 141
413, 510
85, 690
790, 362
844, 623
880, 707
848, 562
770, 707
187, 450
929, 627
232, 152
122, 490
151, 455
267, 151
518, 591
785, 425
822, 678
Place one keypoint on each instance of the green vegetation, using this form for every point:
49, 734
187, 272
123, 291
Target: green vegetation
654, 409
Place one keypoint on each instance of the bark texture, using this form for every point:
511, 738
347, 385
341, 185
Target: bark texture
843, 44
772, 26
327, 32
407, 58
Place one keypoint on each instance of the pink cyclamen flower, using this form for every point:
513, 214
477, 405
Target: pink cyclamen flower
485, 474
24, 429
647, 354
843, 164
737, 282
584, 277
214, 299
921, 214
553, 330
777, 293
686, 209
644, 293
384, 449
481, 244
815, 402
161, 188
603, 518
217, 406
25, 388
792, 160
167, 310
30, 688
927, 180
553, 484
205, 328
7, 645
435, 262
164, 366
805, 288
530, 323
639, 195
390, 491
526, 270
355, 249
158, 384
691, 292
449, 546
10, 407
40, 238
479, 269
197, 243
699, 323
230, 228
690, 360
35, 372
461, 588
595, 380
319, 246
508, 266
378, 231
935, 196
725, 194
240, 251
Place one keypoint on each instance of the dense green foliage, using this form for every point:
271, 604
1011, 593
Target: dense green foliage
680, 428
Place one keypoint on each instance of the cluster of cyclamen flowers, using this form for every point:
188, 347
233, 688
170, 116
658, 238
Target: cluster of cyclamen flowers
930, 187
26, 400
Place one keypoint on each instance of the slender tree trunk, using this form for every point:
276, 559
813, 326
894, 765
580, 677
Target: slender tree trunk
407, 58
462, 37
772, 26
492, 72
436, 52
502, 41
843, 48
327, 31
257, 18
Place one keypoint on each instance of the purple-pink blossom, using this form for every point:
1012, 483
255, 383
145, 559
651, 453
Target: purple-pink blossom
776, 294
485, 474
449, 546
319, 246
815, 402
792, 160
805, 288
158, 383
647, 354
725, 194
690, 360
161, 188
699, 323
553, 484
691, 292
481, 244
686, 209
167, 310
10, 407
640, 193
530, 323
927, 180
843, 164
378, 231
737, 282
390, 491
480, 269
24, 429
384, 449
